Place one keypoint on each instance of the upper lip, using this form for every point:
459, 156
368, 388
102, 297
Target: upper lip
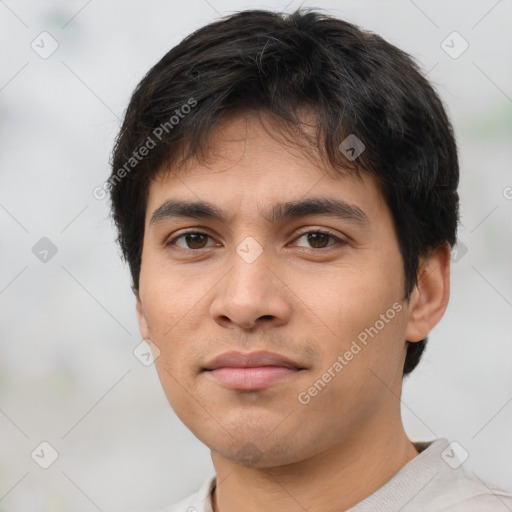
250, 360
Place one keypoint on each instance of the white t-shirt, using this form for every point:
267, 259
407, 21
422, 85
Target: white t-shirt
434, 481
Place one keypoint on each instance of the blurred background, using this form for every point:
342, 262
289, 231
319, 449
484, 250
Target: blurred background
69, 377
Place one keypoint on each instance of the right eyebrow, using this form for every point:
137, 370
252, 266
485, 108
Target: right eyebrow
198, 209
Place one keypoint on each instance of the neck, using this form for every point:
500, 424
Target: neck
331, 481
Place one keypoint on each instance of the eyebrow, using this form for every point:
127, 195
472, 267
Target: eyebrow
278, 213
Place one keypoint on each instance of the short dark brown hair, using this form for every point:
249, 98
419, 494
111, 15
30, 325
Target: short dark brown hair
352, 81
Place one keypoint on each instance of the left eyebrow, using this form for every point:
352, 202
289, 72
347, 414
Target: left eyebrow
316, 206
278, 213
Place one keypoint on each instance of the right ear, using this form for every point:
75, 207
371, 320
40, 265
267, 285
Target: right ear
143, 324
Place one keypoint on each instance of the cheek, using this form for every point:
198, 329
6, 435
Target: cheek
172, 298
359, 313
347, 298
172, 317
174, 386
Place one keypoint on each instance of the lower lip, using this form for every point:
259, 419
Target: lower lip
251, 378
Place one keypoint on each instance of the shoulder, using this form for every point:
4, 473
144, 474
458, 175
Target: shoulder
454, 488
436, 481
196, 502
469, 493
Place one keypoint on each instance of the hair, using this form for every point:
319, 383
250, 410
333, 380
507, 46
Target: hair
350, 80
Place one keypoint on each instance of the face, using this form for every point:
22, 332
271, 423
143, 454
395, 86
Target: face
318, 285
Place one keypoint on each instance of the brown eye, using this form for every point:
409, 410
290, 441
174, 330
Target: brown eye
196, 240
320, 239
190, 241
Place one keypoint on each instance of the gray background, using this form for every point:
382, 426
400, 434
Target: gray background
68, 375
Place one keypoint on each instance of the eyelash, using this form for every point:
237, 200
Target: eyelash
299, 235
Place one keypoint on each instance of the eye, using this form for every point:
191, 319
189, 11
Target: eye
193, 240
318, 239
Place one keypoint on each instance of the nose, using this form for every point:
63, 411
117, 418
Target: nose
251, 294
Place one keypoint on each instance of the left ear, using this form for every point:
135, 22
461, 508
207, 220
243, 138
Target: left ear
141, 318
429, 298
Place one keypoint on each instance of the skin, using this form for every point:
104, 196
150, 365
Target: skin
305, 301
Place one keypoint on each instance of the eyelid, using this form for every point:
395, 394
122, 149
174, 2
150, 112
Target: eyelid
325, 231
191, 231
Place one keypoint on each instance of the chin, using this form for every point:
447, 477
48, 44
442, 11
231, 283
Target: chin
259, 448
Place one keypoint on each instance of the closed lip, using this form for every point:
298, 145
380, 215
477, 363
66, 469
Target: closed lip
251, 360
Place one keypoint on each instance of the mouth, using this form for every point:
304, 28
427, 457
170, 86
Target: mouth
253, 378
251, 371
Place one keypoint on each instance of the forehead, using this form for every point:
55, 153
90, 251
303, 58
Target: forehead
244, 136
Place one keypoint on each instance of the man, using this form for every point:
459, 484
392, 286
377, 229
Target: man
285, 192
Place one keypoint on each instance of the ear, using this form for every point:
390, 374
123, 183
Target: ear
143, 324
429, 298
